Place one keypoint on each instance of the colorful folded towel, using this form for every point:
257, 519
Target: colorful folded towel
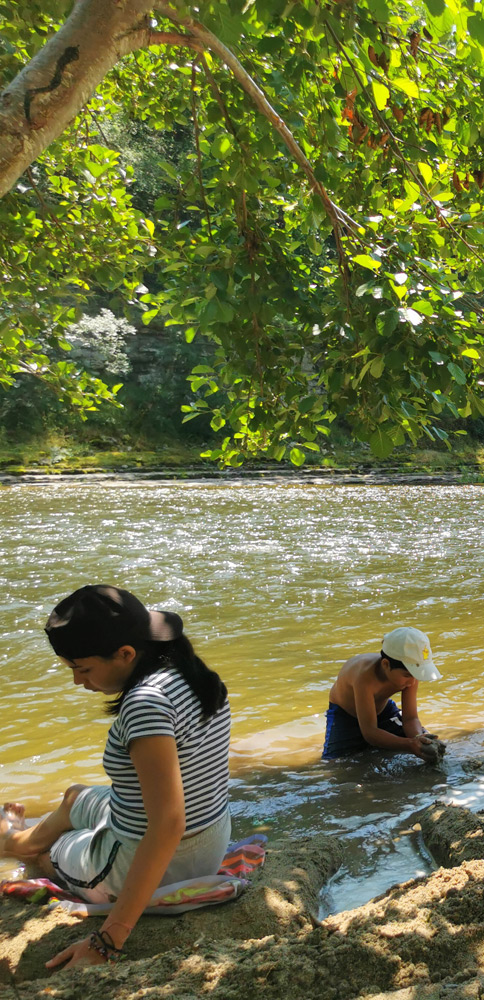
241, 859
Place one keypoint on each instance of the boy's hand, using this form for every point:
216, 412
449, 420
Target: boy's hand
427, 748
441, 747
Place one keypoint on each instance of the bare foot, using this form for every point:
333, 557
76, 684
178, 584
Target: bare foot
14, 813
12, 818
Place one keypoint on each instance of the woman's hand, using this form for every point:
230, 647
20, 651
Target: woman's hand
80, 953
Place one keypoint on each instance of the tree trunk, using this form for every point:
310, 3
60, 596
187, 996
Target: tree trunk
51, 90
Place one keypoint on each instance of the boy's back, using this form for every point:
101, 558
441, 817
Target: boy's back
363, 671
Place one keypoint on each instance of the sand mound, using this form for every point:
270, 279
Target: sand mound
423, 940
282, 899
452, 834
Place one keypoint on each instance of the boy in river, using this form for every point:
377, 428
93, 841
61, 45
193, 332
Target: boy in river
361, 712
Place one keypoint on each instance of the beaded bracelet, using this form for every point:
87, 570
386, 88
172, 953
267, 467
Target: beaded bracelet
106, 948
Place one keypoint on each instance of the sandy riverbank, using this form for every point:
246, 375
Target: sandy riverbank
423, 940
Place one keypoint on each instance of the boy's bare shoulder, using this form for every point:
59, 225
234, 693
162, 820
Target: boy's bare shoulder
360, 668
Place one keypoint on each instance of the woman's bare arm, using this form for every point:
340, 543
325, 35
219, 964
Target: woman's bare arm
156, 761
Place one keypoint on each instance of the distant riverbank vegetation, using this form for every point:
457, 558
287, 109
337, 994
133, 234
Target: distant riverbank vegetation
149, 370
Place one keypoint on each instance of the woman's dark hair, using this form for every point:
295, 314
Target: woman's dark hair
394, 664
98, 620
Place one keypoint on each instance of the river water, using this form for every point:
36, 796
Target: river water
277, 585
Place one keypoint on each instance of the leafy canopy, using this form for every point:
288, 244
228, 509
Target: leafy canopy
329, 242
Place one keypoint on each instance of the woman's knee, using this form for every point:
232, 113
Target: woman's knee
70, 796
45, 865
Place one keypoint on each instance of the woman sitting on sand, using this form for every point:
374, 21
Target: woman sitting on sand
165, 817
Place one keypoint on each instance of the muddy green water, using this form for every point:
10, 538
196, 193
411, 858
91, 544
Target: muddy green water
277, 585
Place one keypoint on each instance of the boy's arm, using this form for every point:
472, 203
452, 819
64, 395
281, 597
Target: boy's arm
411, 722
367, 719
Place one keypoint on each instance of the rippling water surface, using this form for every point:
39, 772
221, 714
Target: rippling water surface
277, 585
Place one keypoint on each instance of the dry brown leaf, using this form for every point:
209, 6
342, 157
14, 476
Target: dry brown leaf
414, 43
426, 119
383, 62
372, 56
358, 133
456, 182
348, 111
398, 113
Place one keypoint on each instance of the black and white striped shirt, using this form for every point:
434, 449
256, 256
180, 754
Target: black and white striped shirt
163, 704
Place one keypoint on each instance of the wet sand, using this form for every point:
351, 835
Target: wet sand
423, 940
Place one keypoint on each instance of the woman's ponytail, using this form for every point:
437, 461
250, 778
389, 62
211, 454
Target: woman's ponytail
177, 652
205, 683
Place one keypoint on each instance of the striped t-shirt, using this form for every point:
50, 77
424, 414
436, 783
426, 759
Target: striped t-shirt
163, 704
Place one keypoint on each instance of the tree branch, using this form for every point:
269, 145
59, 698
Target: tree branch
52, 88
219, 99
210, 41
171, 38
196, 130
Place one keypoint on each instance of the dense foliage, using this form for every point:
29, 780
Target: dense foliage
317, 214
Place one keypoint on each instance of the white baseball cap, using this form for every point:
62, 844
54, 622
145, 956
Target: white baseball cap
412, 648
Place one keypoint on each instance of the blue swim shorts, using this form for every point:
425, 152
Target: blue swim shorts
343, 734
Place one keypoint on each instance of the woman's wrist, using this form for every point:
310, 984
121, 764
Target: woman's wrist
102, 943
118, 931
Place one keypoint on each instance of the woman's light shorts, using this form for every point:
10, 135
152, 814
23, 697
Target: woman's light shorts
92, 861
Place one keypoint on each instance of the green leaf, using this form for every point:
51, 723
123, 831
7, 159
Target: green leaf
409, 87
217, 422
168, 168
10, 338
423, 306
475, 27
457, 373
435, 7
365, 261
379, 10
297, 456
426, 172
440, 433
221, 147
368, 286
360, 377
381, 444
314, 246
150, 314
381, 94
306, 404
377, 367
386, 322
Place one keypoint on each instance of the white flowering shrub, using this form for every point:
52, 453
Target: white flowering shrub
99, 343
